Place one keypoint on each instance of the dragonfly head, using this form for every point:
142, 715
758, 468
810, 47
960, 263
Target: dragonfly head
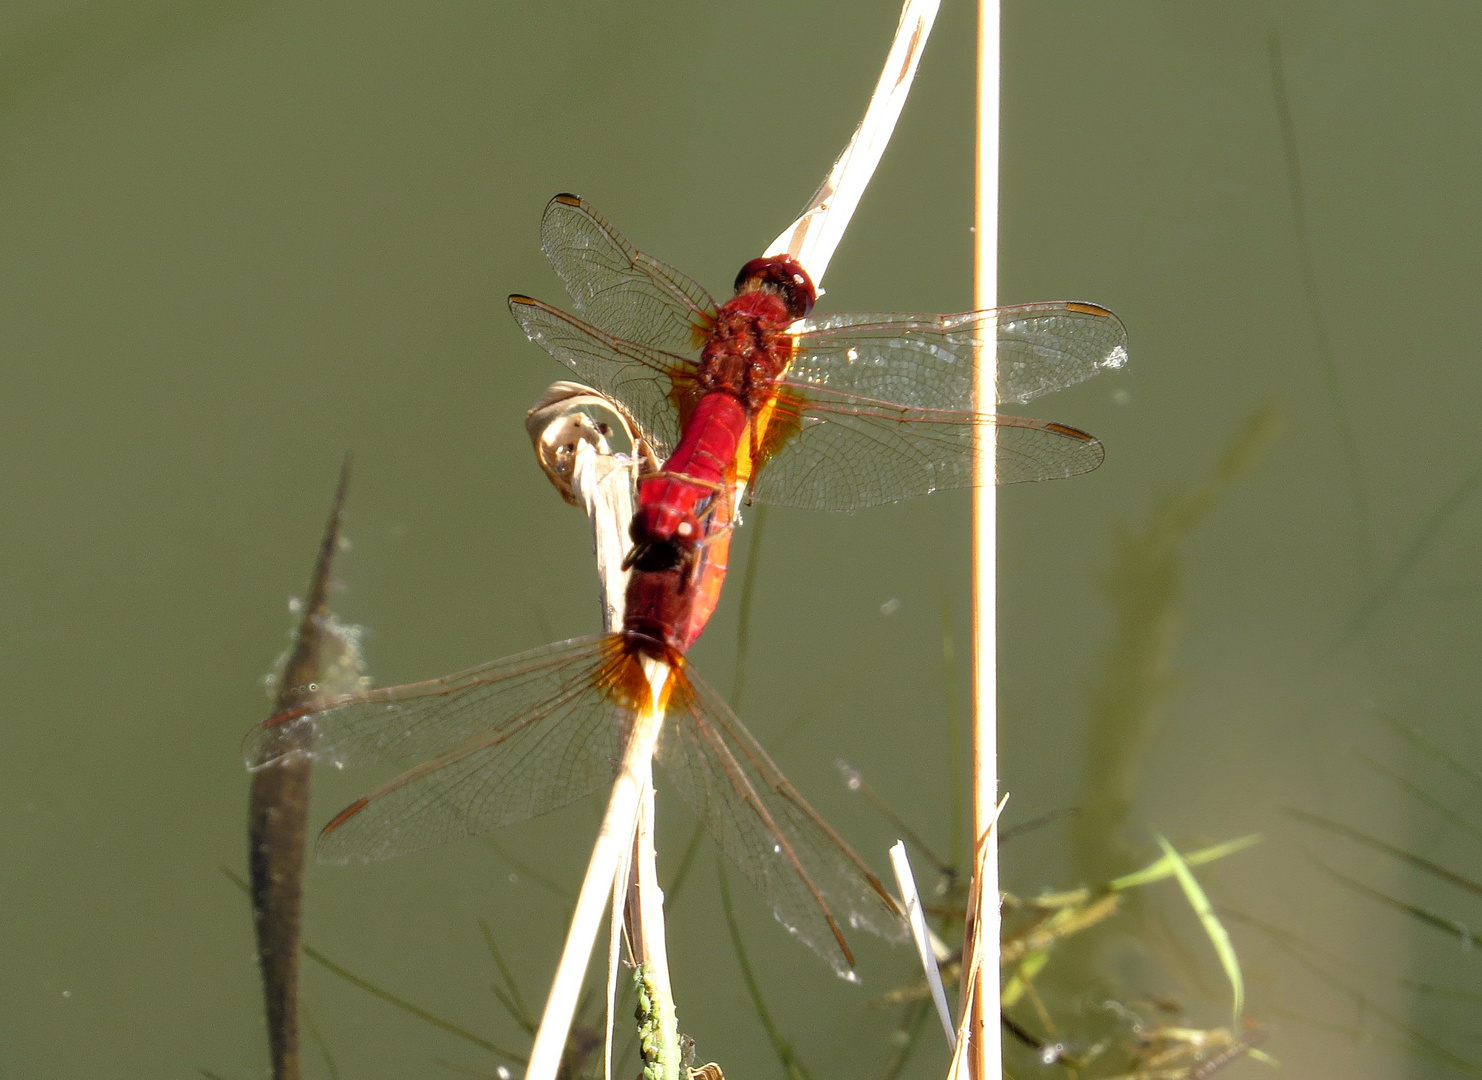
780, 275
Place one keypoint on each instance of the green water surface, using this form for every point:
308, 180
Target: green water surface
239, 239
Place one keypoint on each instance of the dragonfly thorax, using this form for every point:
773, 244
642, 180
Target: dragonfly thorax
746, 348
748, 345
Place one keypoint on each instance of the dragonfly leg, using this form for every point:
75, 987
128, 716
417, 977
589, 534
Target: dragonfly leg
664, 474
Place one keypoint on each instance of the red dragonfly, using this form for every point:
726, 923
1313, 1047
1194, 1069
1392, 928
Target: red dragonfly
842, 412
525, 735
837, 413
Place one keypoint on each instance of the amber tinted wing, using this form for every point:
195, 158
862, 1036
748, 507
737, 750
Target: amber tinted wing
503, 742
816, 886
618, 288
878, 407
648, 382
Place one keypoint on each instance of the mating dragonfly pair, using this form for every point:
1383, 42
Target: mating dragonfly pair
833, 412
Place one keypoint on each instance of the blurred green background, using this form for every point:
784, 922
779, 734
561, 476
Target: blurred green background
241, 238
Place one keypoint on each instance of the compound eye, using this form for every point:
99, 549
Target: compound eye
797, 288
752, 274
783, 276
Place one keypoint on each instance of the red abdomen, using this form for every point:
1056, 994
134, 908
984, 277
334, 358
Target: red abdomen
694, 473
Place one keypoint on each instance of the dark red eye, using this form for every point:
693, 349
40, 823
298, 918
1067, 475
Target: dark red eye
784, 276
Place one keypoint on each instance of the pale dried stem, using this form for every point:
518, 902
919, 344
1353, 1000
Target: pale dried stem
580, 463
911, 899
812, 238
645, 901
610, 851
985, 1055
575, 455
979, 950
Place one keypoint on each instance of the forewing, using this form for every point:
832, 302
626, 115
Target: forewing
654, 386
815, 885
618, 288
926, 361
874, 408
504, 741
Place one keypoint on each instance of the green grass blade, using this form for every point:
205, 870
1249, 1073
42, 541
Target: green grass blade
1215, 930
1024, 973
330, 1064
743, 613
1457, 929
1419, 738
550, 885
1421, 795
1420, 862
1347, 986
1163, 867
910, 1030
1408, 559
792, 1065
406, 1006
477, 1074
386, 995
510, 997
1446, 993
686, 862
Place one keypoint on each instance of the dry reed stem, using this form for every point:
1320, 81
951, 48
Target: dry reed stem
578, 461
610, 850
986, 1052
812, 238
911, 900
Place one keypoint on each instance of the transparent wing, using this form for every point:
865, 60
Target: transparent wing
618, 288
504, 742
860, 454
926, 361
654, 386
877, 407
814, 883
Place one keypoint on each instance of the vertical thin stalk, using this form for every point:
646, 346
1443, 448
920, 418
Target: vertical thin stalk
574, 453
659, 1047
614, 842
986, 1052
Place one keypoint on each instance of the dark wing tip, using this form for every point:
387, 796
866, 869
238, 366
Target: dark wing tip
343, 816
1070, 432
565, 198
843, 946
1085, 307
